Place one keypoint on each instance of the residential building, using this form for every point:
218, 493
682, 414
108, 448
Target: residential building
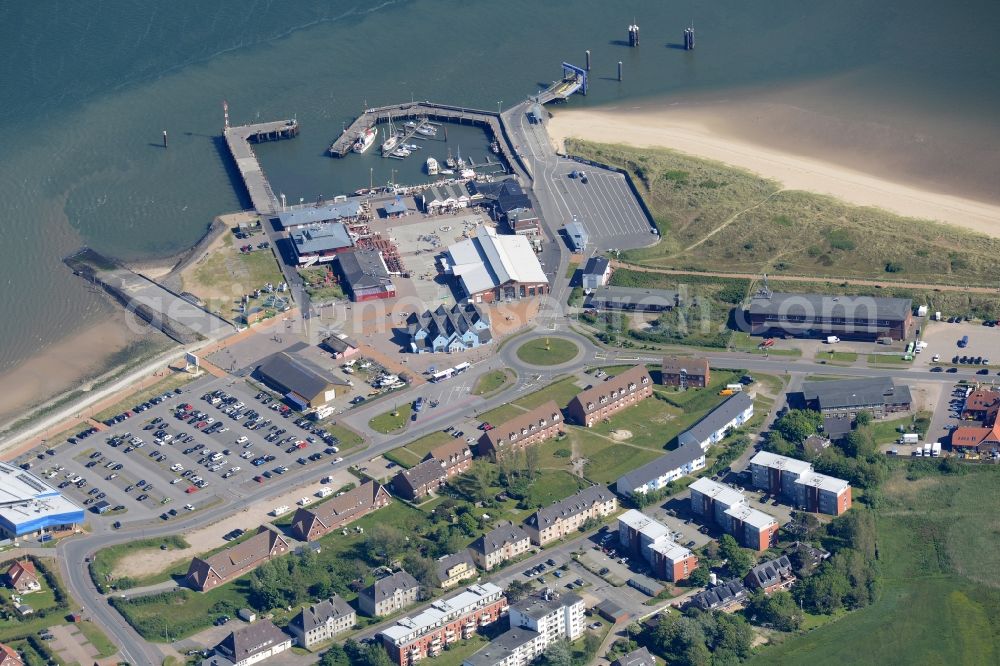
229, 563
567, 516
320, 243
500, 545
459, 328
731, 414
640, 657
656, 474
30, 506
388, 595
365, 275
723, 597
976, 440
491, 267
844, 398
611, 396
22, 577
341, 346
818, 315
307, 216
771, 576
730, 510
333, 514
633, 299
444, 622
596, 273
686, 372
535, 623
250, 644
534, 427
455, 456
322, 621
420, 480
455, 568
796, 481
577, 236
982, 404
9, 656
302, 382
650, 539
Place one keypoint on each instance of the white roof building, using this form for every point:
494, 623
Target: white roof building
490, 260
28, 504
784, 463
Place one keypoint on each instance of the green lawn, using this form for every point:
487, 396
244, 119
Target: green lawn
102, 566
610, 461
348, 438
459, 652
938, 553
551, 487
743, 342
652, 424
561, 391
886, 432
96, 637
500, 414
410, 454
887, 360
493, 381
548, 351
837, 356
403, 457
391, 421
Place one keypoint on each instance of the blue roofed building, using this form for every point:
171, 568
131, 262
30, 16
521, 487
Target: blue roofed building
320, 242
450, 330
30, 506
341, 211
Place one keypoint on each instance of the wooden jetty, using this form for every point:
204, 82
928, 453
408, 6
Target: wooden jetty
240, 139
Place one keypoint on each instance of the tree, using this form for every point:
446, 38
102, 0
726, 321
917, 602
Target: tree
384, 543
558, 654
776, 443
797, 424
531, 458
699, 577
421, 568
778, 610
859, 443
591, 644
517, 590
738, 560
733, 636
863, 419
335, 656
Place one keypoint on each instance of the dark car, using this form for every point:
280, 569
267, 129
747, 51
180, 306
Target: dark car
952, 370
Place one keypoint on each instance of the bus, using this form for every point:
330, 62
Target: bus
443, 375
462, 367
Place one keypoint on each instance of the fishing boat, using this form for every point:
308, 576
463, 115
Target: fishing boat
365, 140
495, 147
402, 151
459, 162
432, 166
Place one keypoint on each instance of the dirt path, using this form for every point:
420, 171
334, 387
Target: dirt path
149, 562
806, 278
732, 218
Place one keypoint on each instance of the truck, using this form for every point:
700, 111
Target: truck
735, 388
324, 492
909, 438
832, 339
279, 510
927, 450
322, 412
936, 449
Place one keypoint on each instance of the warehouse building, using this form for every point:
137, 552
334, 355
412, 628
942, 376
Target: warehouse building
633, 299
844, 398
30, 506
320, 243
866, 318
301, 381
365, 275
491, 267
342, 211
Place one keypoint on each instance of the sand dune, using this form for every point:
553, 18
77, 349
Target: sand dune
696, 133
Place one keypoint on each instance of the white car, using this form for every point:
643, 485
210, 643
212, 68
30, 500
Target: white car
177, 467
176, 481
189, 507
337, 460
242, 439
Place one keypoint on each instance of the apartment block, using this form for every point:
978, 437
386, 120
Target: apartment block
322, 621
444, 622
388, 595
535, 623
650, 539
610, 396
730, 510
534, 427
500, 545
796, 481
557, 520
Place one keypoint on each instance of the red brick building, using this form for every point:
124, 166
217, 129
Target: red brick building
311, 524
206, 574
534, 427
611, 396
455, 455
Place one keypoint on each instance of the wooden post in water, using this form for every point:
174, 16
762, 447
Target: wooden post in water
164, 138
619, 70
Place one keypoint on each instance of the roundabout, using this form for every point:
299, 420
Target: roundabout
544, 351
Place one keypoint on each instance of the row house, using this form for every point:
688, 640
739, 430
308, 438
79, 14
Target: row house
210, 572
534, 427
567, 516
317, 521
610, 396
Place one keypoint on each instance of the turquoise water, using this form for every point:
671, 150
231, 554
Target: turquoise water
88, 89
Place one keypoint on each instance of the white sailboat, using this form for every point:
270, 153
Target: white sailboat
391, 139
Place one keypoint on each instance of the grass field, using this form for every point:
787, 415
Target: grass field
837, 356
548, 351
348, 438
938, 553
391, 421
493, 381
224, 275
165, 385
553, 486
711, 215
96, 637
102, 566
562, 391
412, 453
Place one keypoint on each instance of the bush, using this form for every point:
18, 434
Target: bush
562, 453
893, 267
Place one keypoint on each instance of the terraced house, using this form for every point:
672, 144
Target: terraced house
557, 520
610, 396
450, 330
420, 480
208, 573
445, 622
534, 427
500, 545
318, 521
455, 456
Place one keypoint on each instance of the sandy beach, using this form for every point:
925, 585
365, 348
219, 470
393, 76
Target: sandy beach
713, 132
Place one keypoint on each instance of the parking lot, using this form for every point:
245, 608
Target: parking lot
156, 464
943, 339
